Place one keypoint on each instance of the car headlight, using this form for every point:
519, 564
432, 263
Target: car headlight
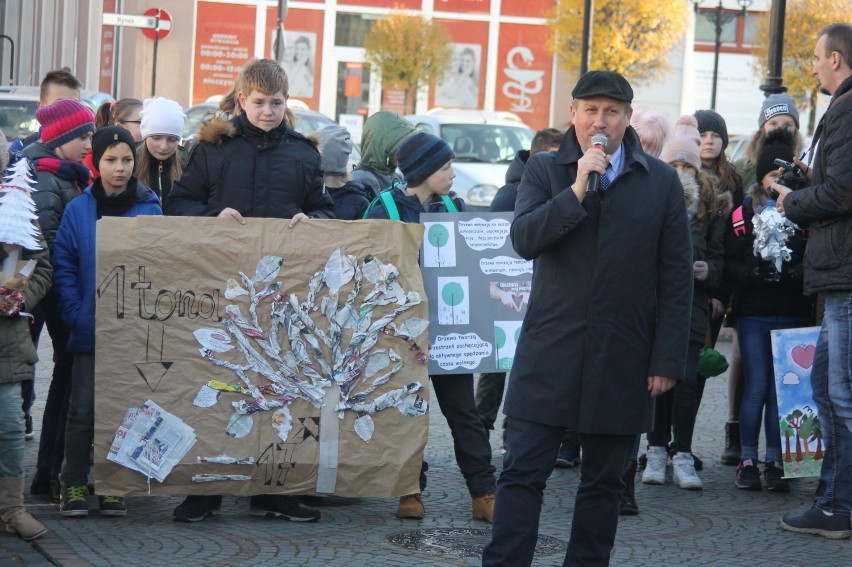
481, 195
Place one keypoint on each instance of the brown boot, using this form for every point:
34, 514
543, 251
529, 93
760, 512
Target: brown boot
483, 507
410, 507
12, 511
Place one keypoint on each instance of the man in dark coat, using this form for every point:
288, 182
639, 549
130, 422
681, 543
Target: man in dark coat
607, 326
826, 205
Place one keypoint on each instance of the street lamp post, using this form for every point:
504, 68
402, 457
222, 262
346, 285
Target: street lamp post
719, 17
774, 83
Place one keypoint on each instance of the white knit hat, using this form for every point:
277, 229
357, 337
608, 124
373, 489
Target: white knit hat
161, 116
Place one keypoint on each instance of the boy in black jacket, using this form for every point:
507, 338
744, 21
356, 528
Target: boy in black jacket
253, 165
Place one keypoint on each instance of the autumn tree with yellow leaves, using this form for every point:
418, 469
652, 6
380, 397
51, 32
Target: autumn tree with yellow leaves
803, 20
631, 37
409, 51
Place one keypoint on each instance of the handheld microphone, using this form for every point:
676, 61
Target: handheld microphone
598, 141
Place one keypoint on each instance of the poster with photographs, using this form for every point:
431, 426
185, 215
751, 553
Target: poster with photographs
478, 300
460, 86
297, 57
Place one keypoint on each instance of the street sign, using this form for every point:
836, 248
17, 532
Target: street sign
149, 22
165, 24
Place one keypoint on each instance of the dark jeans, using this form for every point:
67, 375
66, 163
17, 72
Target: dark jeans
756, 347
51, 446
80, 430
489, 396
528, 462
831, 378
470, 440
675, 412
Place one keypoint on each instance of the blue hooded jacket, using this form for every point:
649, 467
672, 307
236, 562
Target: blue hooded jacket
74, 256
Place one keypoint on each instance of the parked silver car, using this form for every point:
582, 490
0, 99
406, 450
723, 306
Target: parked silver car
485, 143
18, 106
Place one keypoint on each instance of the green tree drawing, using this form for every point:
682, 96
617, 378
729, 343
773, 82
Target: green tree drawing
438, 237
794, 419
805, 431
816, 435
787, 431
453, 294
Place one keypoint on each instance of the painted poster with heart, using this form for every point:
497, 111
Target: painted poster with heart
478, 300
802, 444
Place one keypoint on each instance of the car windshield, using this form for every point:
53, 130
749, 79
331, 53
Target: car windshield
195, 115
17, 118
486, 143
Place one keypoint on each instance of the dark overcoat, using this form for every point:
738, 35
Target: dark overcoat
611, 292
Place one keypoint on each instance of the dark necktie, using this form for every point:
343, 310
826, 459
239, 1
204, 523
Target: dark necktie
604, 183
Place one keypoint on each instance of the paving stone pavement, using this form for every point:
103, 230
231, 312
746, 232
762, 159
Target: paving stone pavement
719, 526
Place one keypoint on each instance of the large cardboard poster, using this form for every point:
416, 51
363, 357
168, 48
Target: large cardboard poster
259, 359
801, 436
478, 291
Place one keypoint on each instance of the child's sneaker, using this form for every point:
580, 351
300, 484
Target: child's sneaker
655, 467
112, 506
748, 475
773, 476
683, 472
72, 501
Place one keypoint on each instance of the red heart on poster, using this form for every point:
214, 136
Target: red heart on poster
804, 356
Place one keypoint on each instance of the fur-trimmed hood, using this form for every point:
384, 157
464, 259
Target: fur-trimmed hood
690, 188
724, 203
215, 131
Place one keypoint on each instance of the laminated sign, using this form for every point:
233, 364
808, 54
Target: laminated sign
257, 359
478, 291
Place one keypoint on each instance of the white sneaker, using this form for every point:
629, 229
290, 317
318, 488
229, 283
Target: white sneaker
655, 468
683, 469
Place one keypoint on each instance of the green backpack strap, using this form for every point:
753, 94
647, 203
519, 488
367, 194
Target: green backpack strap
451, 206
386, 199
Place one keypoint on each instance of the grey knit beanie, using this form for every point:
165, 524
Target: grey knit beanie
778, 104
336, 145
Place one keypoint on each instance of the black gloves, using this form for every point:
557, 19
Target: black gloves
764, 272
793, 273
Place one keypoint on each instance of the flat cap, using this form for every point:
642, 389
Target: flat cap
603, 83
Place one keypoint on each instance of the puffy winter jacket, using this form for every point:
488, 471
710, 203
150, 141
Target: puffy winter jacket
74, 262
53, 192
236, 165
17, 351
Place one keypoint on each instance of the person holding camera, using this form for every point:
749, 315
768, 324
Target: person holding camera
826, 203
764, 299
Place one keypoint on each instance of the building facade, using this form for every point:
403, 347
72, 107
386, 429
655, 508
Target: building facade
501, 59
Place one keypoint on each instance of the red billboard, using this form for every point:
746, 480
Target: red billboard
463, 86
524, 73
224, 41
299, 52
